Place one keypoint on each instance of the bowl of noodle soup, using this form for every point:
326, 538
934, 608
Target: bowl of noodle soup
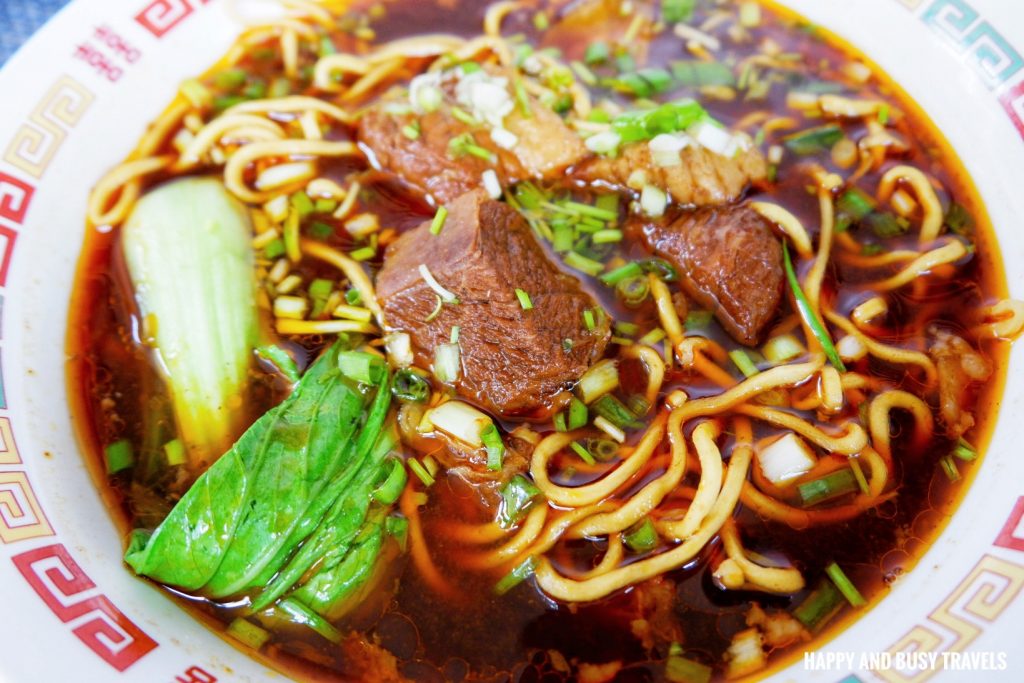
513, 341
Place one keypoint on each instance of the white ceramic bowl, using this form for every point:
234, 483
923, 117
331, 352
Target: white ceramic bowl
75, 101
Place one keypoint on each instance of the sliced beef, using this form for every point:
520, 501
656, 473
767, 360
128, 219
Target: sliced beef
728, 260
703, 179
514, 361
545, 147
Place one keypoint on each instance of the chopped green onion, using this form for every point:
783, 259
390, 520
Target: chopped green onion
820, 605
391, 488
447, 363
363, 254
855, 203
567, 345
597, 53
230, 79
366, 368
965, 451
698, 319
627, 329
782, 348
616, 412
845, 586
320, 230
412, 130
664, 270
516, 498
581, 451
808, 314
226, 102
830, 486
674, 11
174, 452
119, 456
494, 445
410, 385
697, 74
524, 299
636, 126
464, 116
439, 218
949, 468
603, 450
883, 114
522, 99
582, 263
248, 633
606, 237
886, 224
302, 204
958, 219
588, 320
653, 337
616, 276
420, 471
814, 140
578, 413
742, 361
353, 297
578, 208
280, 359
516, 576
196, 93
633, 291
858, 472
437, 309
682, 670
540, 21
274, 249
642, 537
560, 423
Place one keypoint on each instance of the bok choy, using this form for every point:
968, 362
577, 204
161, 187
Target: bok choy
187, 245
294, 493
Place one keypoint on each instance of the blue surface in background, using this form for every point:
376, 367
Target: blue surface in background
19, 19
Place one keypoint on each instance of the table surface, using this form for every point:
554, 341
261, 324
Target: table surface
20, 19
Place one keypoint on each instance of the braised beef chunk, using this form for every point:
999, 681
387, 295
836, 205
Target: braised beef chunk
728, 260
702, 179
543, 146
513, 360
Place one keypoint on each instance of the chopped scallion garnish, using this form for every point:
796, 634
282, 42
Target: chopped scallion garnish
494, 445
964, 450
588, 319
410, 385
582, 451
742, 361
391, 488
174, 452
830, 486
845, 586
808, 314
516, 576
949, 468
819, 606
420, 471
642, 537
578, 414
613, 277
524, 299
119, 456
814, 140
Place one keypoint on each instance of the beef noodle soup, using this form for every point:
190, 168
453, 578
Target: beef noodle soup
590, 340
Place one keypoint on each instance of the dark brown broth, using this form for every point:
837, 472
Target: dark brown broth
489, 634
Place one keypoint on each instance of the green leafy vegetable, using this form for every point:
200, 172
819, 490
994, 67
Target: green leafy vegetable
187, 247
294, 491
516, 498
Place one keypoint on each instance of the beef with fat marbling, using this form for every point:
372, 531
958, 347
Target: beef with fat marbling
514, 361
728, 260
544, 147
